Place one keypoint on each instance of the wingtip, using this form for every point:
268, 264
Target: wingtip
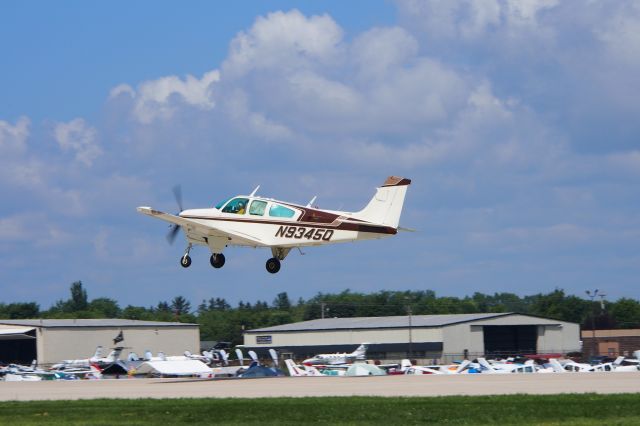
396, 181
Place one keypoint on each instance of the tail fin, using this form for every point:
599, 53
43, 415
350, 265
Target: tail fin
293, 368
386, 205
240, 356
463, 365
98, 352
274, 357
361, 351
485, 364
557, 367
114, 354
225, 356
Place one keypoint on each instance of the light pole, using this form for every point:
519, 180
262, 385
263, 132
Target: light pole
410, 331
592, 295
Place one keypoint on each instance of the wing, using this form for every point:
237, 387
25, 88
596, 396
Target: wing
206, 230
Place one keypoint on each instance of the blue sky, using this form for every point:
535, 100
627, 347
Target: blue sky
517, 122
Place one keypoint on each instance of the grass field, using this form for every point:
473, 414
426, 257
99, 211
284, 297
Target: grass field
584, 409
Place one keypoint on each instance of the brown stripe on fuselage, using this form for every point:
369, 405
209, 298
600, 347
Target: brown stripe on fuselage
312, 215
345, 226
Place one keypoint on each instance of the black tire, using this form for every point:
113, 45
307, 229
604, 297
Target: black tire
217, 260
185, 261
273, 265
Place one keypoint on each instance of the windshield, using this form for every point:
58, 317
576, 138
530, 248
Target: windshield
222, 203
237, 206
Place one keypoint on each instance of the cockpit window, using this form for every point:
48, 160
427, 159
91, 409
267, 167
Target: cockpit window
277, 210
222, 203
257, 208
237, 206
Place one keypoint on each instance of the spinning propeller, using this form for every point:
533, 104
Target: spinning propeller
174, 229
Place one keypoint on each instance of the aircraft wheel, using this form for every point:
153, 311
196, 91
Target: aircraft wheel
273, 265
217, 260
185, 261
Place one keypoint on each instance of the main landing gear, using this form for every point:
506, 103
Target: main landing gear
279, 253
273, 265
217, 260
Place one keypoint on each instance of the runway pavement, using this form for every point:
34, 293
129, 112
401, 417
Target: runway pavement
432, 385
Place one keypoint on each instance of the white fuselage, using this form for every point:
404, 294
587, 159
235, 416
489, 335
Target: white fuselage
267, 231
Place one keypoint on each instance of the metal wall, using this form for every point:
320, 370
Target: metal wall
553, 336
456, 339
58, 343
343, 337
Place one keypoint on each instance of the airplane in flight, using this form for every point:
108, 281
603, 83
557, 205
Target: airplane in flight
338, 358
254, 221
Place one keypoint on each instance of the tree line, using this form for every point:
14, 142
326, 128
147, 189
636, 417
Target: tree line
220, 321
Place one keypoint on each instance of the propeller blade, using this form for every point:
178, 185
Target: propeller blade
177, 192
173, 232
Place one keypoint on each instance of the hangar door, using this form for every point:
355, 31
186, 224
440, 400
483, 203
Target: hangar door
510, 339
18, 345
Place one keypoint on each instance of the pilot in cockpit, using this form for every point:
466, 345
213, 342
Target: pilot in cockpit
240, 208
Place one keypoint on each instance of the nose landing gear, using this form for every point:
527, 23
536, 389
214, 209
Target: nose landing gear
185, 260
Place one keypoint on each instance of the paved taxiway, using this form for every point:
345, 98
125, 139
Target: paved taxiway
471, 384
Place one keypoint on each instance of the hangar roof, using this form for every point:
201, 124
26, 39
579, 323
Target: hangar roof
104, 322
389, 322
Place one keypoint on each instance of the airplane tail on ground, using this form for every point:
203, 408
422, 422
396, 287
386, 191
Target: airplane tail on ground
240, 356
386, 205
463, 365
485, 364
98, 352
294, 371
557, 367
405, 364
114, 355
274, 357
360, 352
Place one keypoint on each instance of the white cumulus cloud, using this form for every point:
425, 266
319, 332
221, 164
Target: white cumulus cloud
79, 137
159, 99
13, 138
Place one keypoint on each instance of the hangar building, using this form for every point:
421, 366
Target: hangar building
442, 337
53, 340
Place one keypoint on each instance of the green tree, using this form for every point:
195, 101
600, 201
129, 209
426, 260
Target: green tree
180, 306
626, 312
105, 307
27, 310
78, 301
281, 302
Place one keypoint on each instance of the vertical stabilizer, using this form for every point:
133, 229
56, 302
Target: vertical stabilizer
294, 371
557, 367
485, 364
386, 205
360, 352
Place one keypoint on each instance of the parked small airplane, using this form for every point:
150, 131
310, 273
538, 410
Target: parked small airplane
408, 368
338, 358
96, 359
253, 221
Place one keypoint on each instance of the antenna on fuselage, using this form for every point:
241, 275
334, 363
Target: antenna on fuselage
312, 200
254, 191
